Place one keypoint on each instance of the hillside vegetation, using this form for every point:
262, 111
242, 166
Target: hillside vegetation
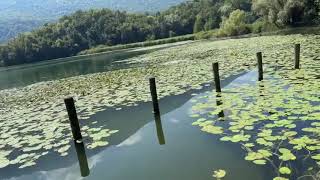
86, 29
10, 28
17, 16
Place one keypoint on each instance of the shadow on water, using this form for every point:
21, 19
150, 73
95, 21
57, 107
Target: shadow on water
128, 120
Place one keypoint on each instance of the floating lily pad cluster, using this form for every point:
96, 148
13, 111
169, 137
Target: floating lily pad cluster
219, 174
33, 119
276, 121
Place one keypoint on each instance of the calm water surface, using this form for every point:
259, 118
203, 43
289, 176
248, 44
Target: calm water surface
24, 75
135, 153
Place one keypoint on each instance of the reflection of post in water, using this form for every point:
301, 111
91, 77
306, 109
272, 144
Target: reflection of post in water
82, 157
159, 129
219, 103
156, 110
261, 90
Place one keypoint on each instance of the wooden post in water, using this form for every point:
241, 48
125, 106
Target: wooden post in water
297, 56
74, 122
153, 90
156, 110
260, 66
215, 67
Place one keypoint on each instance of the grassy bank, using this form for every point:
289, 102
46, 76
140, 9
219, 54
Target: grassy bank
212, 35
105, 48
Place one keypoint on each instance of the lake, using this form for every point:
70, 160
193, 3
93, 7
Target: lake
23, 75
135, 153
252, 130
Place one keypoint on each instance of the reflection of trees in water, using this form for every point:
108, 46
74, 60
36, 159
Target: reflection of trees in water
69, 67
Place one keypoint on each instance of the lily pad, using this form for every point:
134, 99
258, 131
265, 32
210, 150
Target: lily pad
219, 174
285, 170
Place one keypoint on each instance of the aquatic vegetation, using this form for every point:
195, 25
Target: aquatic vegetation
33, 119
276, 121
280, 178
219, 174
285, 170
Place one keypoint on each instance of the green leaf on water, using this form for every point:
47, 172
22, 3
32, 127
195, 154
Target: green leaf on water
248, 145
280, 178
286, 155
98, 144
212, 129
285, 170
219, 174
265, 153
316, 157
4, 162
251, 156
260, 162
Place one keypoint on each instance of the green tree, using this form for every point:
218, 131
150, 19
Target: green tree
232, 5
209, 24
281, 13
86, 29
235, 24
198, 24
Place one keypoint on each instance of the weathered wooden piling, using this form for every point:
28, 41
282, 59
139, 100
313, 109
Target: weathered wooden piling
297, 56
153, 90
82, 158
156, 110
215, 67
260, 66
74, 122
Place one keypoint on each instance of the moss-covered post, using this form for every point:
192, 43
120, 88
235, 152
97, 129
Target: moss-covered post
260, 66
74, 122
215, 67
297, 56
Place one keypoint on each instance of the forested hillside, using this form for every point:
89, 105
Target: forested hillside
18, 16
87, 29
10, 28
49, 9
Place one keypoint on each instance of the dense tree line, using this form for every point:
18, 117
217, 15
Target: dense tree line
18, 16
86, 29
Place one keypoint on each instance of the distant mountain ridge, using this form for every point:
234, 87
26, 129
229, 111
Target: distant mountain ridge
18, 16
